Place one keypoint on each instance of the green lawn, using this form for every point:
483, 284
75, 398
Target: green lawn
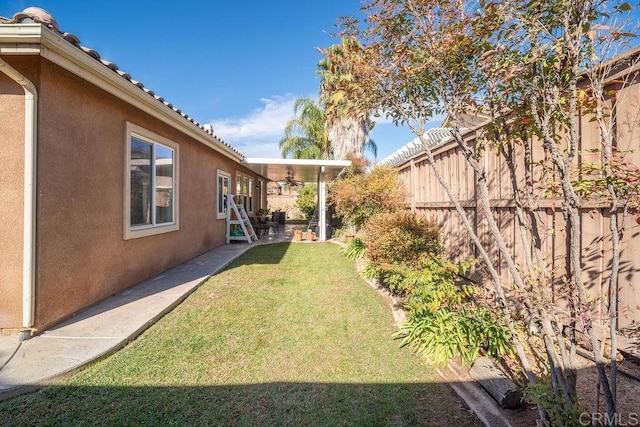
286, 335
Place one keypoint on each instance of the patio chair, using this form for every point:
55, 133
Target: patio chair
263, 226
273, 224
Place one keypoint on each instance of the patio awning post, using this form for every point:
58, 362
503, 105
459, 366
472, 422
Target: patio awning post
322, 206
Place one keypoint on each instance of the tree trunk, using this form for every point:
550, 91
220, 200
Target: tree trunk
347, 136
496, 383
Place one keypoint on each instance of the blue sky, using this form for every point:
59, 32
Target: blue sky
238, 65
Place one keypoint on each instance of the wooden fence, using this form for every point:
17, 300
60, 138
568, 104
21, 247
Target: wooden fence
285, 203
427, 196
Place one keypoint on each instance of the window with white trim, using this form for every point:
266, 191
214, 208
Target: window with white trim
224, 185
244, 189
260, 189
151, 184
249, 196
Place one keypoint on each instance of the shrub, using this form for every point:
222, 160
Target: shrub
356, 249
444, 320
400, 238
437, 284
307, 200
559, 412
359, 196
398, 279
466, 331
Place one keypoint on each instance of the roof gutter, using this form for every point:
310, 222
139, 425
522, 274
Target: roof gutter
29, 227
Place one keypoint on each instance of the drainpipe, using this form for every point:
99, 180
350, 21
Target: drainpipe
29, 237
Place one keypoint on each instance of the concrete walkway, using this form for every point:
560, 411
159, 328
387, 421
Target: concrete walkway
107, 327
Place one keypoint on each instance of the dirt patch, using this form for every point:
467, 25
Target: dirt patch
485, 407
628, 392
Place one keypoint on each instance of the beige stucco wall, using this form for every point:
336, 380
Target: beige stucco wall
11, 195
82, 256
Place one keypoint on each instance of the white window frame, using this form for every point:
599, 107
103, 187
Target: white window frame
134, 232
244, 190
250, 201
221, 211
261, 187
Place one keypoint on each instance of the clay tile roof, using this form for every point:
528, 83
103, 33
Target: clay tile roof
137, 83
34, 14
71, 39
110, 65
127, 76
92, 53
41, 16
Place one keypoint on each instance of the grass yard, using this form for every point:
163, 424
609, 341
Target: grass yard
288, 334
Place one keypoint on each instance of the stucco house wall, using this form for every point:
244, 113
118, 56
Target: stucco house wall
11, 196
82, 255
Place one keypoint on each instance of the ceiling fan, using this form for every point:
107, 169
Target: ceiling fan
289, 181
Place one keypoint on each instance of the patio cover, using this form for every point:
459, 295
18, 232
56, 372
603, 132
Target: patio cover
305, 170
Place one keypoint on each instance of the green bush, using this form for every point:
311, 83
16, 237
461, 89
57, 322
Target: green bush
398, 279
464, 331
359, 196
400, 238
356, 249
437, 284
542, 394
443, 319
307, 200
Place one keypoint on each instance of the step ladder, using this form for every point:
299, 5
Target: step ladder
237, 215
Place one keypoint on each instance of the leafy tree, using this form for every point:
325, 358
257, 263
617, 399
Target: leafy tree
522, 63
305, 136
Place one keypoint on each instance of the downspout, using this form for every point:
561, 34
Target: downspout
29, 232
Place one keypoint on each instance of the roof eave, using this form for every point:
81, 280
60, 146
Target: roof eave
31, 39
275, 169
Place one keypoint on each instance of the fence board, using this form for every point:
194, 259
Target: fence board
427, 197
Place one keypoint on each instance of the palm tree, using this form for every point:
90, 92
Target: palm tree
305, 136
348, 122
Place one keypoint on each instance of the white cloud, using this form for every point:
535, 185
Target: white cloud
258, 133
259, 149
